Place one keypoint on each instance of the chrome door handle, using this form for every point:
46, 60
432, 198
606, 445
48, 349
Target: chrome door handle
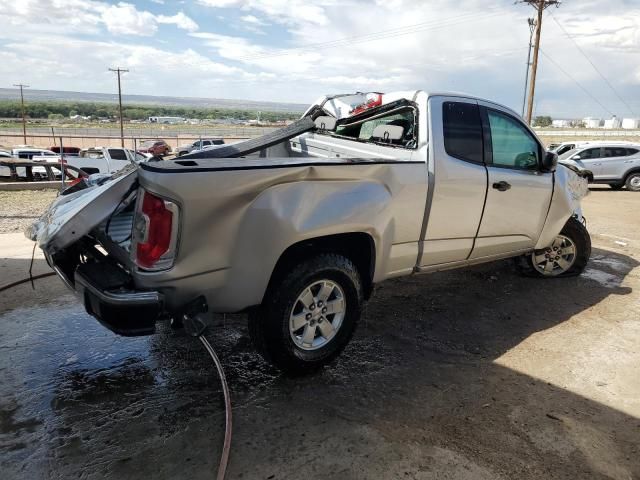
502, 186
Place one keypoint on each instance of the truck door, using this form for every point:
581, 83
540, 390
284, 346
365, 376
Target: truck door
457, 180
519, 193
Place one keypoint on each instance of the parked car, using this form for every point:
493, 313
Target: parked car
99, 159
616, 164
561, 148
198, 145
30, 152
296, 227
4, 171
21, 170
144, 146
68, 151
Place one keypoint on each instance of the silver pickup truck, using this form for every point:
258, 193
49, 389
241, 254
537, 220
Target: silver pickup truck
297, 227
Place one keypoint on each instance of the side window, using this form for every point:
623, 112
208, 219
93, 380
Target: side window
513, 146
462, 131
205, 143
615, 152
117, 154
401, 131
632, 151
590, 153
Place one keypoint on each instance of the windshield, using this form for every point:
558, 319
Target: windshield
568, 154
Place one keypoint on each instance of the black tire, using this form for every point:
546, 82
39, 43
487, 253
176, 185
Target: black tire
578, 234
632, 182
269, 324
616, 186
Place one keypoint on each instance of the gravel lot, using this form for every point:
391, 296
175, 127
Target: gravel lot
469, 374
19, 209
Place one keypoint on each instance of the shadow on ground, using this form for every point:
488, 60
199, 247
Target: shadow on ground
417, 394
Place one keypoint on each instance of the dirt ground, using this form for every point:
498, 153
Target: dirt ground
470, 374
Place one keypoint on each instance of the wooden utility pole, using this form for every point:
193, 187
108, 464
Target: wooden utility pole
119, 70
540, 6
24, 120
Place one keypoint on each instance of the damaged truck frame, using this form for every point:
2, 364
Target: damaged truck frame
297, 227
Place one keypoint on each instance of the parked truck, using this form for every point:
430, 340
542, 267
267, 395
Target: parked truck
298, 226
98, 159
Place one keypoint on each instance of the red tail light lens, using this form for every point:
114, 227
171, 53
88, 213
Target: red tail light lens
154, 231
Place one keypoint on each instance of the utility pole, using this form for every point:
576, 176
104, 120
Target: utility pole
532, 25
119, 70
540, 6
24, 121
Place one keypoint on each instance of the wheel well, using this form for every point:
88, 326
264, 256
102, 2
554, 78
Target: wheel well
630, 172
357, 247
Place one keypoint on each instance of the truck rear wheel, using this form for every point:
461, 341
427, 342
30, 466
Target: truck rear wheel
567, 256
308, 314
633, 182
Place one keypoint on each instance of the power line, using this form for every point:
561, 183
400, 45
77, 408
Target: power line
576, 82
592, 64
382, 34
24, 121
119, 70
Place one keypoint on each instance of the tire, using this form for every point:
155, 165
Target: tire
633, 182
616, 186
273, 331
575, 235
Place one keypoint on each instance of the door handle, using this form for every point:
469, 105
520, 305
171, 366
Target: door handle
502, 186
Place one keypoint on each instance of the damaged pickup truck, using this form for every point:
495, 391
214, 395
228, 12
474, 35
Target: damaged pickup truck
297, 227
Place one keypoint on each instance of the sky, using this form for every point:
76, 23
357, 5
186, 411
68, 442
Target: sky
298, 50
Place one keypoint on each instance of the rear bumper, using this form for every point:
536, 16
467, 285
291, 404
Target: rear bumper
107, 294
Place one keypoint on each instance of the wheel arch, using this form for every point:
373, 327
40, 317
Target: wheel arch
359, 247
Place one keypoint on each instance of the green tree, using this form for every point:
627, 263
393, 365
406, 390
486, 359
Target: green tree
542, 121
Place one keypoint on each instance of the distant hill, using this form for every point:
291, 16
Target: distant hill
56, 95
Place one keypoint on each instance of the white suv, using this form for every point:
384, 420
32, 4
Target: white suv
616, 164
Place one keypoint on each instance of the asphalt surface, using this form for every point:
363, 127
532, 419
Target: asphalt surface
469, 374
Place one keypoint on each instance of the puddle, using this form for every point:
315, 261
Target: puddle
603, 278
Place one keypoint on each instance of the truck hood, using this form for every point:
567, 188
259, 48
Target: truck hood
71, 216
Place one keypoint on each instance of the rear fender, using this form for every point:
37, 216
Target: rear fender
287, 214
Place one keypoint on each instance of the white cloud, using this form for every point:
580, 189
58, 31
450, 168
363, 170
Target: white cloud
288, 12
86, 16
180, 20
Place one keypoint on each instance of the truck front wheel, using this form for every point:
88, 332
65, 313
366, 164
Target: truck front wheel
567, 256
308, 314
633, 182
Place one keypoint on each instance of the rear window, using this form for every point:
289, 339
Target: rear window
117, 154
462, 131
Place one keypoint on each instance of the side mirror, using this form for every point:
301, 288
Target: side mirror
575, 157
549, 162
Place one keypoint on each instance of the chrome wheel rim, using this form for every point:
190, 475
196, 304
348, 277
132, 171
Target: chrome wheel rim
557, 258
635, 181
317, 315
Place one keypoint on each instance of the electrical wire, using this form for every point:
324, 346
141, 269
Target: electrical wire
557, 65
226, 447
592, 64
25, 280
382, 34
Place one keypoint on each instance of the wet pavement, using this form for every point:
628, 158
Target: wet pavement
475, 374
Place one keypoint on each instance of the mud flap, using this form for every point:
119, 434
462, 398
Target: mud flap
255, 144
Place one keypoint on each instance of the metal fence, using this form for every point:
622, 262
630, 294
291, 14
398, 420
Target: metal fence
588, 133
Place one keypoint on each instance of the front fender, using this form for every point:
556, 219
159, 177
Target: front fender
569, 189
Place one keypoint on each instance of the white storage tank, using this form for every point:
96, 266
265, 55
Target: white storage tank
630, 123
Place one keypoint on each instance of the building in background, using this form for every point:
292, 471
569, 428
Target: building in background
590, 122
561, 123
613, 122
630, 123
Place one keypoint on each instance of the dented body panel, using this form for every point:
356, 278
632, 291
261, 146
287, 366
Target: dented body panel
233, 219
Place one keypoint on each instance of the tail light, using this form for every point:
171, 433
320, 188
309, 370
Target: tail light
155, 232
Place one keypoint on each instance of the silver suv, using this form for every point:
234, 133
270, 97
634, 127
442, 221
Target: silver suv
198, 145
615, 164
